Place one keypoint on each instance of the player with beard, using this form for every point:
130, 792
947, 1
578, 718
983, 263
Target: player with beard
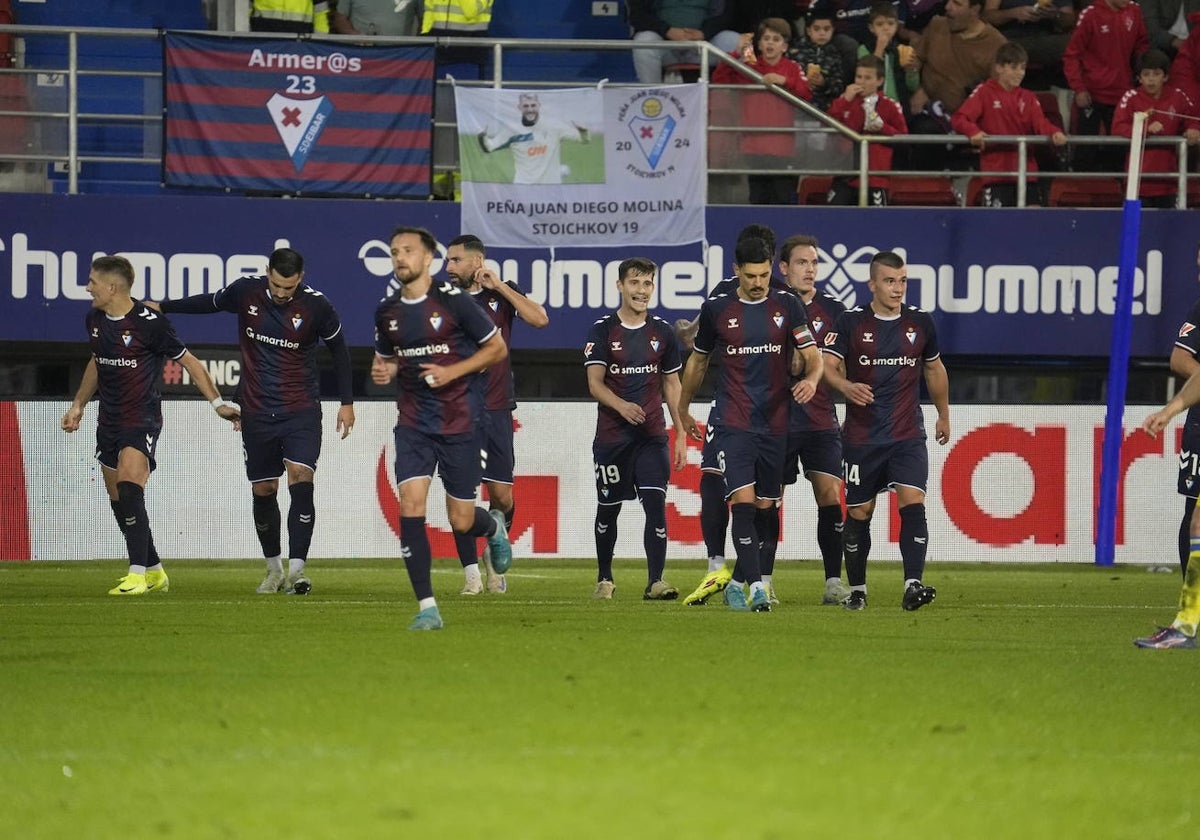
536, 145
434, 341
502, 302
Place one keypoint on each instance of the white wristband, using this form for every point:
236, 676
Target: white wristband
217, 403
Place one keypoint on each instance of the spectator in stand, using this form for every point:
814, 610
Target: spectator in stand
745, 15
299, 16
1185, 69
775, 149
863, 108
954, 55
1098, 66
374, 17
821, 61
1167, 22
900, 60
1169, 111
1001, 106
917, 15
676, 20
851, 26
1042, 27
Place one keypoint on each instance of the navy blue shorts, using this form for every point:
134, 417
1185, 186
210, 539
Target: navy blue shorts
708, 453
110, 441
625, 470
869, 470
750, 459
496, 442
1189, 462
269, 441
810, 452
456, 458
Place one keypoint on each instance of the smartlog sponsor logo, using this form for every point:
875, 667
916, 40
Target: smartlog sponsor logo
591, 284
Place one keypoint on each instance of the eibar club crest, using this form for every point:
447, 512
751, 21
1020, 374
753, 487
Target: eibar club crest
435, 321
652, 130
296, 322
911, 335
299, 123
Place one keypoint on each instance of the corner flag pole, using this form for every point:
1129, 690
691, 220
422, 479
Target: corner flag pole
1118, 360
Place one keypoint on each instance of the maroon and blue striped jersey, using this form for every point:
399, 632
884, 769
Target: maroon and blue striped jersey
443, 327
279, 345
889, 354
635, 361
755, 342
729, 286
1189, 340
818, 414
129, 353
501, 393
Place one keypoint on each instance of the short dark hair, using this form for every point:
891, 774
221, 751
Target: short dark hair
636, 265
285, 262
427, 238
1011, 53
819, 14
757, 231
470, 242
796, 240
890, 259
1154, 60
119, 266
882, 10
751, 250
873, 62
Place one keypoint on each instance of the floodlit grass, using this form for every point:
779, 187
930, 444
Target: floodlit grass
1013, 707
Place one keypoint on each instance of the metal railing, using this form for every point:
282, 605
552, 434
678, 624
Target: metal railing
810, 122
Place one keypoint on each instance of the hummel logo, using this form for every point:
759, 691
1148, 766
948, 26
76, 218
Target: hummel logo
744, 541
920, 540
616, 345
868, 338
252, 310
601, 528
733, 323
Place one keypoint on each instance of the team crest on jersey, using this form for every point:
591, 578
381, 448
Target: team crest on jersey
127, 338
616, 345
435, 321
818, 323
654, 342
778, 319
868, 338
252, 309
296, 322
830, 338
494, 304
911, 335
1186, 329
733, 324
587, 348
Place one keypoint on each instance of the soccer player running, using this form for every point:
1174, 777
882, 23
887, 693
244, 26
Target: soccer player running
1182, 631
434, 340
281, 321
632, 364
129, 345
502, 302
814, 439
755, 331
876, 356
1185, 362
536, 145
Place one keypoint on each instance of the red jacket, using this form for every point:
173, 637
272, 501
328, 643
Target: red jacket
850, 113
1170, 110
992, 109
1099, 57
1185, 69
762, 108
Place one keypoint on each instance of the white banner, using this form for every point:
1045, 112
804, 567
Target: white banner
1014, 484
584, 166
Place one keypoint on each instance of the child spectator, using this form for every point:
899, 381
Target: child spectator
1168, 110
863, 108
1001, 106
850, 19
769, 150
1098, 66
821, 61
900, 60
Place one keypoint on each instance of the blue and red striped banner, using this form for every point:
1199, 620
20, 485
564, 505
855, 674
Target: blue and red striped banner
298, 117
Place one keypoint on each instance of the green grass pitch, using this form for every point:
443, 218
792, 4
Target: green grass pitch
1015, 706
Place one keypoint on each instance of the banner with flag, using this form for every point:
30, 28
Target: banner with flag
298, 117
585, 166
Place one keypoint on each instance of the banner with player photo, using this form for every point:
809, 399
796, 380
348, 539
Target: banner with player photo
583, 167
297, 117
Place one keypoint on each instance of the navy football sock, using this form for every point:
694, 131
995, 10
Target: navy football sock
829, 538
606, 539
137, 525
914, 540
302, 515
1185, 534
151, 552
766, 525
467, 548
267, 523
714, 513
654, 537
745, 543
855, 547
414, 546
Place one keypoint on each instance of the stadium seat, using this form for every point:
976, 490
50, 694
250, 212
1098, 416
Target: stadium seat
1086, 192
1193, 193
813, 189
974, 193
917, 191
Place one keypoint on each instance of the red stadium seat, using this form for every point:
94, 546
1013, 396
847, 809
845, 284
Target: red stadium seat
1086, 192
814, 189
916, 191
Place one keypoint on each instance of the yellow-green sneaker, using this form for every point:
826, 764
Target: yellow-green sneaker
713, 583
157, 580
131, 584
